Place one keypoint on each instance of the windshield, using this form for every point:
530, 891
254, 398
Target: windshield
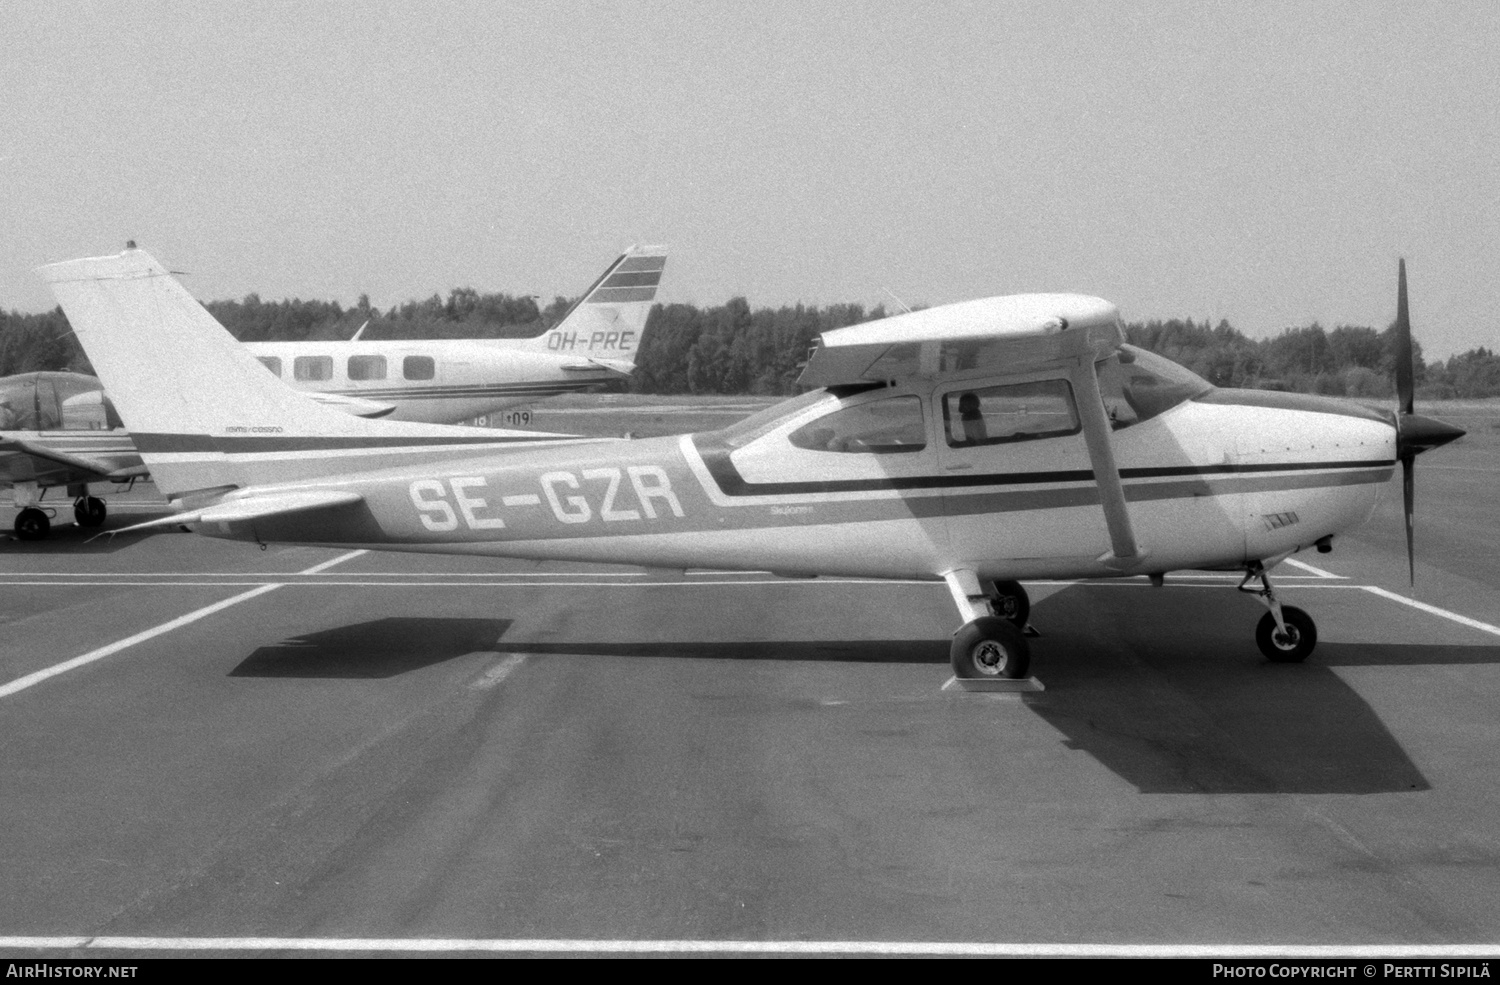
1138, 385
741, 433
52, 401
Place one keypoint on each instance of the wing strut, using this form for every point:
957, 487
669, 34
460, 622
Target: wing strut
1125, 552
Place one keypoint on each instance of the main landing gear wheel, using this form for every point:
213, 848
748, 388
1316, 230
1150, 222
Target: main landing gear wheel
89, 511
1290, 647
32, 524
1011, 602
990, 647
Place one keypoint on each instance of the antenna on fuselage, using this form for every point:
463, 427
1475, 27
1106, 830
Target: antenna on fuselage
356, 335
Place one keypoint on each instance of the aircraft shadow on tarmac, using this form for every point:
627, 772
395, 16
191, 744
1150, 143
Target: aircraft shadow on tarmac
850, 651
1166, 688
377, 649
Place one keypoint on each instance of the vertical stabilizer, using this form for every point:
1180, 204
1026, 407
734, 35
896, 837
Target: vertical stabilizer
204, 413
605, 325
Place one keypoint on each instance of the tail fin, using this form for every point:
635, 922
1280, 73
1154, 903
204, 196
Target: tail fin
195, 399
603, 328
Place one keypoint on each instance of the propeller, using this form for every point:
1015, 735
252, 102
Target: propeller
1414, 433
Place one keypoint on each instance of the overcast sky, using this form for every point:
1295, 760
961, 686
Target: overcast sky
1261, 162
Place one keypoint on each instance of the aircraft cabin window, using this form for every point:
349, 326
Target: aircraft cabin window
312, 368
273, 363
366, 367
880, 427
1137, 385
994, 415
418, 368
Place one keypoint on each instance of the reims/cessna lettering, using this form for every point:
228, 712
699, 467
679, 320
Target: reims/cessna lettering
976, 444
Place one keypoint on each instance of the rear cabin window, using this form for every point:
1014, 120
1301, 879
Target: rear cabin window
418, 368
1019, 412
366, 367
312, 368
880, 427
273, 363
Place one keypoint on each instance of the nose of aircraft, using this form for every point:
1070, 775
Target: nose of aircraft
1417, 434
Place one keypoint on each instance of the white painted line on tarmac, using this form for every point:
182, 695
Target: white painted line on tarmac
520, 581
1483, 627
499, 672
22, 683
789, 947
318, 568
1314, 569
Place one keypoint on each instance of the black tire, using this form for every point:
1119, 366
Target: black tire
32, 524
1302, 633
990, 647
89, 511
1011, 602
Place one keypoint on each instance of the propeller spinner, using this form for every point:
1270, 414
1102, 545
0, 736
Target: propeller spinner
1414, 433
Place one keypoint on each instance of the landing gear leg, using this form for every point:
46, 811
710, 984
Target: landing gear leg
1285, 634
987, 645
1010, 602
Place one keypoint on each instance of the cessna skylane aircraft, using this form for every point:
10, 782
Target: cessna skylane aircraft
61, 431
976, 443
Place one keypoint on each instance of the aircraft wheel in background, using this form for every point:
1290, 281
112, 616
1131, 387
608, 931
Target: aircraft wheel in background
89, 511
1301, 636
990, 647
1011, 602
32, 524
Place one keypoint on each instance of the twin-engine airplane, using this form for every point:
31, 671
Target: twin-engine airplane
450, 380
977, 443
57, 429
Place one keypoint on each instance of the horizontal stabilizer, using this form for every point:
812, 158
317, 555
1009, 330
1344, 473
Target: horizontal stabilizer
255, 508
622, 366
357, 406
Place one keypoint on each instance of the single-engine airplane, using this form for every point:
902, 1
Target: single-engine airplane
977, 443
58, 429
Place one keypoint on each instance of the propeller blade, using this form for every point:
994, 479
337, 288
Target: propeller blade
1404, 384
1408, 502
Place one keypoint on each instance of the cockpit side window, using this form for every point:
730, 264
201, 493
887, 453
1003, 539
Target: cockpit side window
879, 427
1138, 385
995, 415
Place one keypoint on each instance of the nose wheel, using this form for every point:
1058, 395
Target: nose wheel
1285, 634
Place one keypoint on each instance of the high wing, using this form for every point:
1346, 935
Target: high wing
1015, 334
29, 459
1018, 333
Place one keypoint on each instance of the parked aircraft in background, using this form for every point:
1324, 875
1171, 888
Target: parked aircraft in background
444, 381
56, 429
436, 381
975, 443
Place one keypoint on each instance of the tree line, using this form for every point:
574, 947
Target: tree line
734, 349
